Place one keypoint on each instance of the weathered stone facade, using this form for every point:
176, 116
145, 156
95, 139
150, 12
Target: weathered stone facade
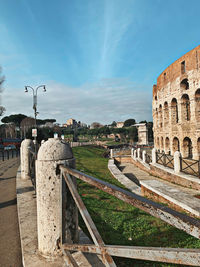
176, 107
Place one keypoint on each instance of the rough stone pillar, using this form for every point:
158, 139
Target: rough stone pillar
132, 152
177, 162
138, 153
26, 145
144, 156
153, 155
42, 142
111, 153
135, 154
57, 216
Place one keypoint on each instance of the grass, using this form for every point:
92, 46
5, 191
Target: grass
118, 222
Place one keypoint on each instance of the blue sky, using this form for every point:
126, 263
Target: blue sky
98, 58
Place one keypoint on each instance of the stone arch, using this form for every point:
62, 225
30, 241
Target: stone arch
158, 143
198, 146
174, 111
167, 145
166, 114
176, 145
187, 147
185, 107
197, 105
184, 84
160, 116
161, 144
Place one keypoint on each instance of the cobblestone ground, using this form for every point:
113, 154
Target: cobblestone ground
10, 248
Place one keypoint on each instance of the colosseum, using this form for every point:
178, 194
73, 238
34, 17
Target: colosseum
176, 107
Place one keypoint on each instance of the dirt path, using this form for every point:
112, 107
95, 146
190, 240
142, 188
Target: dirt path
10, 248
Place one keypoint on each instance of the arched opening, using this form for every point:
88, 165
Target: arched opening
185, 108
174, 111
184, 84
198, 146
161, 144
187, 147
167, 145
176, 145
166, 114
155, 98
158, 143
197, 105
160, 116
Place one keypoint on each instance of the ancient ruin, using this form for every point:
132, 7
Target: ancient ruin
176, 107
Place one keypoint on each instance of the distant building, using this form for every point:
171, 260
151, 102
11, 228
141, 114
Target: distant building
120, 124
70, 122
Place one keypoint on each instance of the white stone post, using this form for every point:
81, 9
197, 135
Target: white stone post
132, 152
111, 153
144, 156
26, 145
138, 153
153, 156
135, 154
42, 142
57, 216
177, 162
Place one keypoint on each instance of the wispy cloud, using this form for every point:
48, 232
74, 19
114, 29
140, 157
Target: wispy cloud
105, 101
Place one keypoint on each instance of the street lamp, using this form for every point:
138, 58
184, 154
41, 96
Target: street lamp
35, 104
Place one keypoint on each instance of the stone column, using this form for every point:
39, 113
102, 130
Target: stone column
57, 216
153, 156
26, 145
144, 156
177, 162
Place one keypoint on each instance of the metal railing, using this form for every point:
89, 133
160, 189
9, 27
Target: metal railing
148, 158
190, 166
8, 154
169, 255
165, 159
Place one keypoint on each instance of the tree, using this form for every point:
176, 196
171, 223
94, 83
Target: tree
2, 111
16, 119
129, 122
96, 125
113, 124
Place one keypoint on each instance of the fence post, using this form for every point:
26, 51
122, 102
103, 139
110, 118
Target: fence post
138, 153
144, 156
153, 156
135, 154
177, 162
57, 215
111, 153
25, 158
132, 152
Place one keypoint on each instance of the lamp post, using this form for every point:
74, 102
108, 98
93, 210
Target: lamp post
35, 105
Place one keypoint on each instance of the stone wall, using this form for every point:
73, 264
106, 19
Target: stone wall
176, 107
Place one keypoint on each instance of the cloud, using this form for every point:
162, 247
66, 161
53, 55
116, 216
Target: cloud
105, 101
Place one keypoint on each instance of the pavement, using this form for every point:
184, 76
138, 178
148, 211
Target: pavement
178, 195
10, 246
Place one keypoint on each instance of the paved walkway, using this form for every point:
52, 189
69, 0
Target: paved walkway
10, 248
181, 196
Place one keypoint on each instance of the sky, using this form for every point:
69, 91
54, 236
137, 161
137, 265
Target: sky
98, 58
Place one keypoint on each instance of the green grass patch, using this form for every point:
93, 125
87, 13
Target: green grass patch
120, 223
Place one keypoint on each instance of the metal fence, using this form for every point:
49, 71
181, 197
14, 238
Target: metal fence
190, 166
8, 154
169, 255
165, 159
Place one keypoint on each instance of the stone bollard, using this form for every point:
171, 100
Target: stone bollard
132, 152
153, 156
111, 153
57, 214
25, 158
42, 142
177, 162
144, 156
138, 153
135, 154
